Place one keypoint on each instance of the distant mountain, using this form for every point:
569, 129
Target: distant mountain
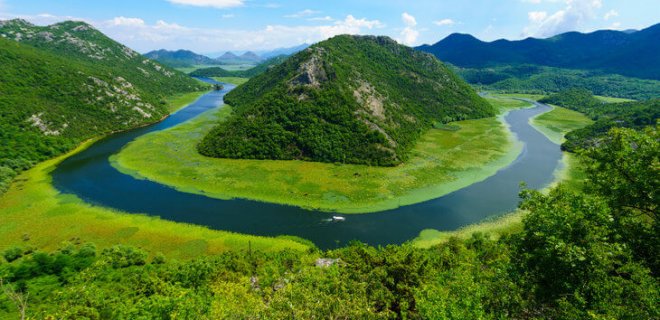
249, 73
283, 51
250, 56
68, 82
349, 99
227, 56
180, 58
623, 52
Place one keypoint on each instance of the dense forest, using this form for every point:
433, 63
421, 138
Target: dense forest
249, 73
332, 103
630, 53
536, 79
180, 58
635, 114
66, 83
588, 255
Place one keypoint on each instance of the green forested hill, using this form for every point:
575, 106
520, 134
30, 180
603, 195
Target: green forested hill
350, 99
55, 94
180, 58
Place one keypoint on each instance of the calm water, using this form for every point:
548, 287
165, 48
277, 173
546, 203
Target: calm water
90, 176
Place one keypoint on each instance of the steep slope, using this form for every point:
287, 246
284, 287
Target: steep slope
249, 73
58, 88
627, 53
350, 99
180, 58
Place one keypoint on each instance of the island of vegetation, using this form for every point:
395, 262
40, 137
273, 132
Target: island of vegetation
349, 99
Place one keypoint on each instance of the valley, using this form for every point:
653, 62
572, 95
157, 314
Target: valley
241, 160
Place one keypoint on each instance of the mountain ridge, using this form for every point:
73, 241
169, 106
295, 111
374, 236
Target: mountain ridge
622, 52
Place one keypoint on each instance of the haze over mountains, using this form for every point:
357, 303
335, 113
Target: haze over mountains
186, 58
334, 103
629, 53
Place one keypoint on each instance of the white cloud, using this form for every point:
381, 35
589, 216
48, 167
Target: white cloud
444, 22
144, 36
302, 14
326, 18
220, 4
611, 14
537, 16
615, 26
129, 22
409, 34
570, 18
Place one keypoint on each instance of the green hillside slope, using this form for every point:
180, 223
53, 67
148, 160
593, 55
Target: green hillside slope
53, 95
350, 99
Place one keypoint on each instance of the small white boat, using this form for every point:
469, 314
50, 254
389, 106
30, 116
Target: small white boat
338, 218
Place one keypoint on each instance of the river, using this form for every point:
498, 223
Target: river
90, 176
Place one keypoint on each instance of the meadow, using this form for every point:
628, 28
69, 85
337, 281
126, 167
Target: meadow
556, 123
443, 161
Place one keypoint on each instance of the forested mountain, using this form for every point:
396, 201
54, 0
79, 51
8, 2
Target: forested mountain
351, 99
180, 58
626, 53
65, 83
249, 73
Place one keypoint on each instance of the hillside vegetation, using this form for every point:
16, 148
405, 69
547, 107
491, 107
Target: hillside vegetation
635, 114
180, 58
543, 80
627, 53
66, 83
350, 99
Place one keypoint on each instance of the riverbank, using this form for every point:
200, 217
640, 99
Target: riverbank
554, 125
34, 214
443, 161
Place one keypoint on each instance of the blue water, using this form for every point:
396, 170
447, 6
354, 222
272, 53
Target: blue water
90, 176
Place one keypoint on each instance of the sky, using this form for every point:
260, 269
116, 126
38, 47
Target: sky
213, 26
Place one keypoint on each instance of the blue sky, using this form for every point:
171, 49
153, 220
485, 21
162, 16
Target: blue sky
218, 25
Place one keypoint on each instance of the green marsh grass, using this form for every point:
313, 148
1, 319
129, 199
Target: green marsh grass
442, 161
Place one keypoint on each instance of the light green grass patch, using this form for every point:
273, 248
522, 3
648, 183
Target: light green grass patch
176, 102
612, 99
442, 161
556, 123
233, 80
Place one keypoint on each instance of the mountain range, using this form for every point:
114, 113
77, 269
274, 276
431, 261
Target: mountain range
629, 53
349, 99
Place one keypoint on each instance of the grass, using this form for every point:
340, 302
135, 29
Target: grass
556, 123
442, 161
535, 97
176, 102
33, 209
233, 80
612, 99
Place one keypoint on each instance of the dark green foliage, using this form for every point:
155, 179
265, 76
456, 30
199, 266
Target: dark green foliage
349, 99
249, 73
65, 83
13, 253
636, 115
627, 53
542, 80
180, 58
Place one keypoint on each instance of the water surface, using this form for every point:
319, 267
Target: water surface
90, 176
